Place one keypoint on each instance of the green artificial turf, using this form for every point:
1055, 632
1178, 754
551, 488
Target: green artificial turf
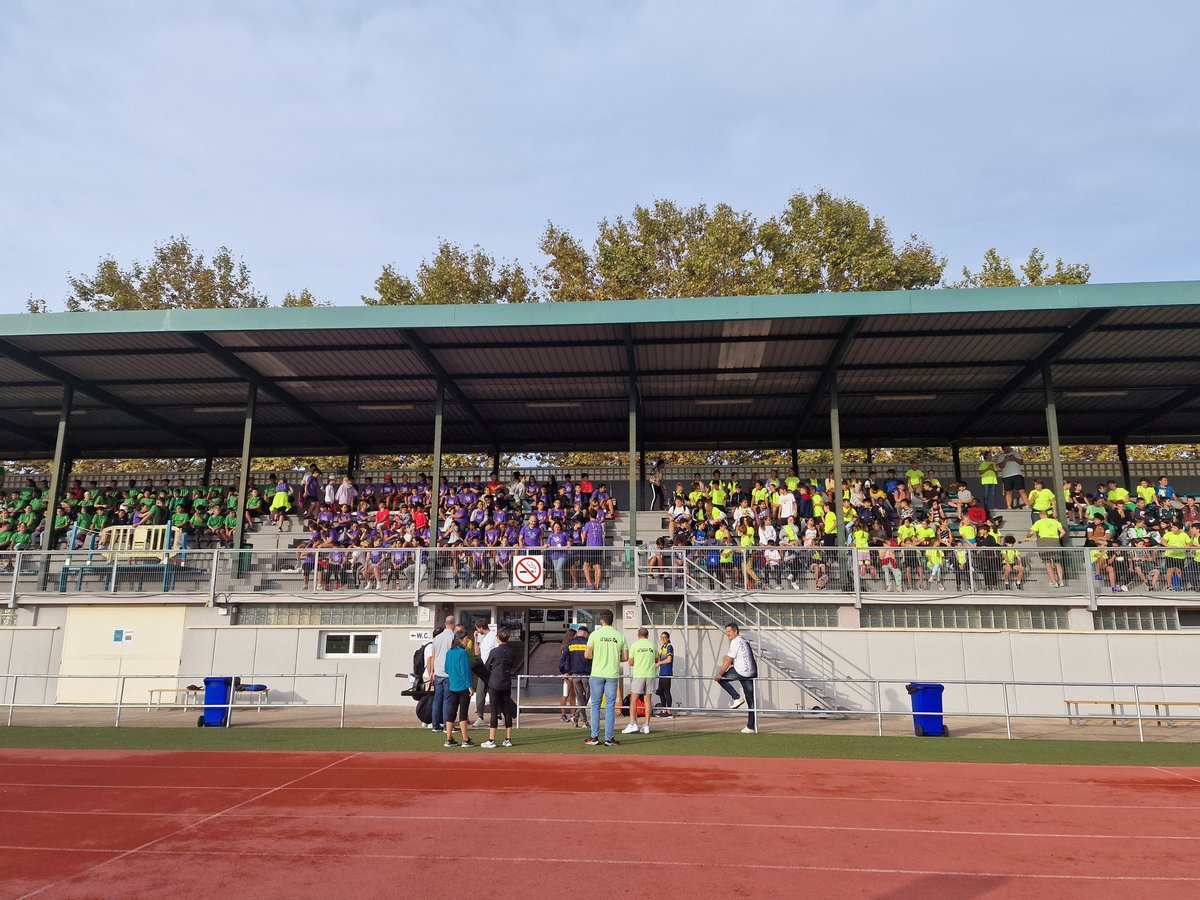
660, 743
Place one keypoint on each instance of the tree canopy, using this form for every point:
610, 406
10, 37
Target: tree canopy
177, 277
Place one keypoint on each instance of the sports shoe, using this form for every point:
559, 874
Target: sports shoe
592, 742
612, 743
645, 729
665, 715
506, 743
450, 743
748, 730
740, 701
488, 745
478, 723
630, 729
562, 718
468, 743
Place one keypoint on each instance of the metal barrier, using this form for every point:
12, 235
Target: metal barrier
904, 574
175, 685
1128, 702
884, 574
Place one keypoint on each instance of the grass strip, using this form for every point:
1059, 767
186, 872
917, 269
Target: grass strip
659, 743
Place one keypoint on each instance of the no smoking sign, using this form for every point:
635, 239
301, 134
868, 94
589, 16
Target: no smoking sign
528, 571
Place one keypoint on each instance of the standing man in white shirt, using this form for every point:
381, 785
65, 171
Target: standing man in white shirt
739, 665
1012, 476
485, 643
437, 672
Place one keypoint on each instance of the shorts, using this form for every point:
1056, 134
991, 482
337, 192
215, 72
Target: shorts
1014, 483
641, 686
459, 706
593, 557
1052, 557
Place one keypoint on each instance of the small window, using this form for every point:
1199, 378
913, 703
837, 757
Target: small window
1189, 618
535, 616
360, 645
556, 615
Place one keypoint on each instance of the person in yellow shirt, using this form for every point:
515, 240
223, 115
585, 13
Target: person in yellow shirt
1041, 499
934, 557
1012, 568
1049, 533
1177, 544
915, 476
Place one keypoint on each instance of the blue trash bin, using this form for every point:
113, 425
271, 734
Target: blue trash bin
927, 709
216, 702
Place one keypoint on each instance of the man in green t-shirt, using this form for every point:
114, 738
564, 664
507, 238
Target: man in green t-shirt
643, 659
606, 648
1049, 533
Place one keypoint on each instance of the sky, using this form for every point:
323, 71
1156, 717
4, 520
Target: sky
320, 141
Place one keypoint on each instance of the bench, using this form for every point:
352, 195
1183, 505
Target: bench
189, 695
136, 574
1162, 710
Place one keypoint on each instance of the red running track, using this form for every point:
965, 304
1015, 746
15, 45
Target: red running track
494, 824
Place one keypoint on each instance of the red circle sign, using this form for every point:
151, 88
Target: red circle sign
528, 570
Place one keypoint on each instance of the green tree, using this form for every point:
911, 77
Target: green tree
998, 271
304, 299
454, 276
178, 277
818, 243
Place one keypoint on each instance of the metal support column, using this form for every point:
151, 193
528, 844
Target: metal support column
244, 472
796, 460
1123, 459
496, 461
870, 457
642, 471
352, 465
956, 457
633, 468
57, 478
206, 478
1052, 435
438, 404
835, 442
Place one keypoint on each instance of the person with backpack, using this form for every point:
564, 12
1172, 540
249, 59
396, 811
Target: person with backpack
739, 665
500, 671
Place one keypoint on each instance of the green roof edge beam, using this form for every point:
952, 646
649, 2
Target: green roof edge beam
610, 312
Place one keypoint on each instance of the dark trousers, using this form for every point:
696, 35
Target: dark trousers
664, 691
479, 670
502, 705
747, 682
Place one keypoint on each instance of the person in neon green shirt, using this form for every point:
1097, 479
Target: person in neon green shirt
1176, 543
1049, 533
915, 476
643, 660
1041, 498
607, 649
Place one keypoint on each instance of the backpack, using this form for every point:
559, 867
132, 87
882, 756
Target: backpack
418, 670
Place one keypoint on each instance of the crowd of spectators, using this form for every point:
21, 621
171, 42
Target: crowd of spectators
907, 529
909, 532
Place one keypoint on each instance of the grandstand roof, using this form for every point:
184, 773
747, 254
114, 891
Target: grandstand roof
915, 367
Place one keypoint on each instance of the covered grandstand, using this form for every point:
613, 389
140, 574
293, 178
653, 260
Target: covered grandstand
1077, 364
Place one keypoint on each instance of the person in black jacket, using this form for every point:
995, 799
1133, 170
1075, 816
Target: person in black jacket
500, 672
574, 663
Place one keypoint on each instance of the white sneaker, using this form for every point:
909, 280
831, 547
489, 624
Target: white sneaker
746, 730
740, 701
488, 745
630, 729
645, 729
478, 723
